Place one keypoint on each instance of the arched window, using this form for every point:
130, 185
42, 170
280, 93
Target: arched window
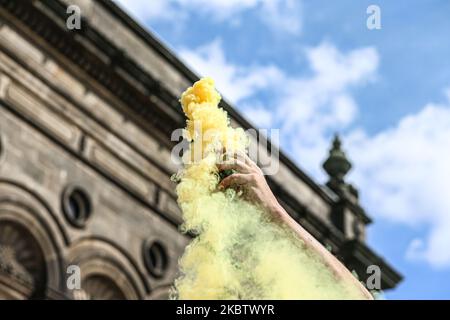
21, 261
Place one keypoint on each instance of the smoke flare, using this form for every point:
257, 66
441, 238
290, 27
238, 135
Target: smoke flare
238, 253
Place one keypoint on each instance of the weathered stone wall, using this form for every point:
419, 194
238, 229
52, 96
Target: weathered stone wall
55, 132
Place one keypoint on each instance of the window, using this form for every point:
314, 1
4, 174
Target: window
76, 206
155, 258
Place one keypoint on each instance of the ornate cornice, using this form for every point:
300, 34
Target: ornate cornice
143, 101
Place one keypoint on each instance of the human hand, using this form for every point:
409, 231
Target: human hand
249, 178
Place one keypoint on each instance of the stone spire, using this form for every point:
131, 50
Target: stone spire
337, 166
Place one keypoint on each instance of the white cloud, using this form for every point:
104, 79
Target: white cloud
280, 15
284, 15
311, 108
218, 8
403, 173
258, 115
235, 82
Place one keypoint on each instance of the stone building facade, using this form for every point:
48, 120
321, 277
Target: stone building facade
85, 122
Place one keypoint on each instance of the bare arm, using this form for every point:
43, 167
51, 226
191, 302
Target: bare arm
249, 177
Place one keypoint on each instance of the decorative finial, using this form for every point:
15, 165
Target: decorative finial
336, 142
337, 165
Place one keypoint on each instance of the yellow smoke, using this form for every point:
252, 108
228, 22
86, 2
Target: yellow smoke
238, 253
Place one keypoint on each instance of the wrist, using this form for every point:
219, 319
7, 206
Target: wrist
278, 212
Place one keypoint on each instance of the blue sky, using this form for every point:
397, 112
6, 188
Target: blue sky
311, 68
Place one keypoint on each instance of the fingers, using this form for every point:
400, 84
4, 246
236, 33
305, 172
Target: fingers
242, 156
239, 156
230, 155
236, 179
236, 165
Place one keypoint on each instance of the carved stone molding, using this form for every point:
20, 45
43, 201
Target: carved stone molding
106, 273
31, 244
21, 258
